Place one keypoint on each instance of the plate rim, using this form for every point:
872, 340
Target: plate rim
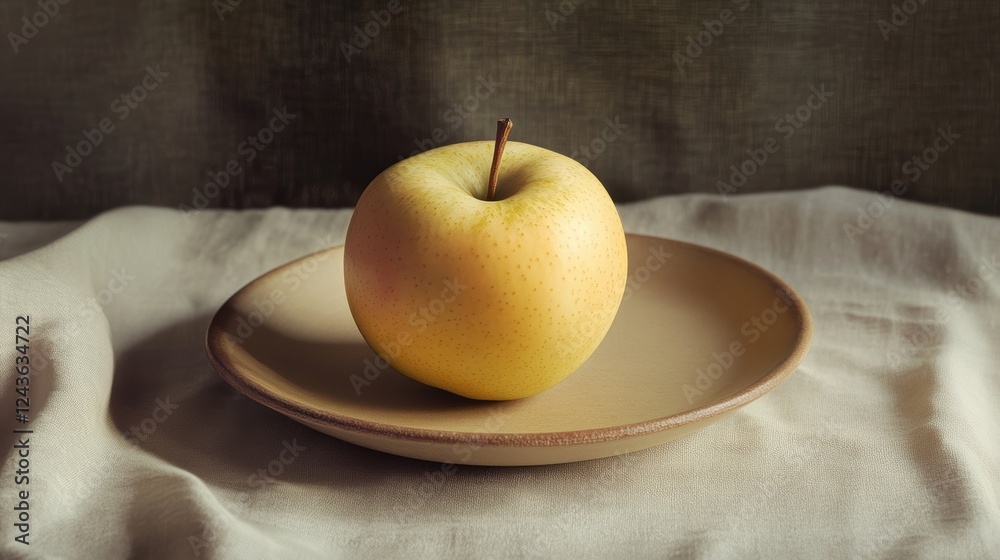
303, 412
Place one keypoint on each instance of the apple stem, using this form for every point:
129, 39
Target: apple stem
503, 131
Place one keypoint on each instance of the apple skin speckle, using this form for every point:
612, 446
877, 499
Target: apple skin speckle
492, 300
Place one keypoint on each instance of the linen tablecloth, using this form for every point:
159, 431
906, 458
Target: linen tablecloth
884, 444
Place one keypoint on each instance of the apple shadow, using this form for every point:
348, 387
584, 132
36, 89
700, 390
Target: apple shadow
348, 371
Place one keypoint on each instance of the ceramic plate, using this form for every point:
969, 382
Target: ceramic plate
699, 334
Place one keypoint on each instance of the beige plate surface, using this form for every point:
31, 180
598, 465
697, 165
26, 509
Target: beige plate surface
699, 334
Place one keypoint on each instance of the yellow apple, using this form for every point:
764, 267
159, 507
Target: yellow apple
490, 297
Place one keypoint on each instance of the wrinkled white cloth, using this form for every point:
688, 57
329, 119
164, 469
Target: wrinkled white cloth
884, 444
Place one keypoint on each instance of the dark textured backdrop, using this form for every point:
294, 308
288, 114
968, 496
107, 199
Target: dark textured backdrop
560, 70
